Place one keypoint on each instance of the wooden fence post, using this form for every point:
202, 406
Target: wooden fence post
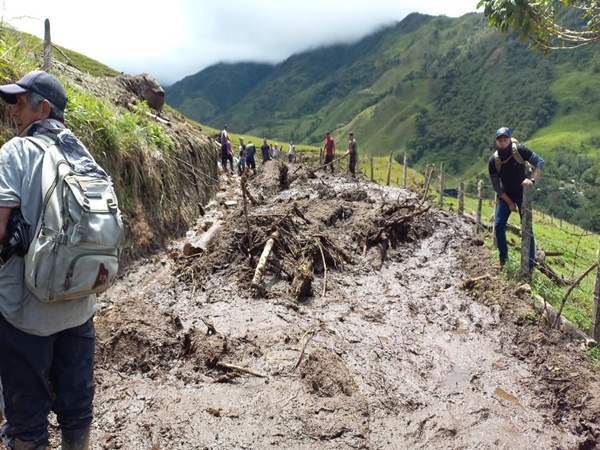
479, 205
526, 228
389, 168
441, 199
47, 47
428, 174
595, 327
461, 196
494, 243
404, 172
371, 168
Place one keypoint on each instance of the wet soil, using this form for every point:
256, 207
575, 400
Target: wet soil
380, 322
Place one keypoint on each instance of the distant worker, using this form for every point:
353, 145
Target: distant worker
329, 151
353, 152
250, 152
508, 182
223, 137
242, 157
292, 152
265, 151
229, 156
275, 151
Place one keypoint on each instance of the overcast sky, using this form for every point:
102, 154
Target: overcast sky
173, 39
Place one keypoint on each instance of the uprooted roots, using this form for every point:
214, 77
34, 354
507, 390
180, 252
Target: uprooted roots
295, 242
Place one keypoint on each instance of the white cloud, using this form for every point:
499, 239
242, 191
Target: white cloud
171, 40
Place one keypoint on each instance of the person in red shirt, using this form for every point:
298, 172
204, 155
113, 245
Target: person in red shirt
329, 151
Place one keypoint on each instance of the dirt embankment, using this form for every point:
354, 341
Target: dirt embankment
360, 333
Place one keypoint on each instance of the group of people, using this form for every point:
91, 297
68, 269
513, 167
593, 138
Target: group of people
272, 152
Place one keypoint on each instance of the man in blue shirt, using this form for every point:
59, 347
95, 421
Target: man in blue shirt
508, 179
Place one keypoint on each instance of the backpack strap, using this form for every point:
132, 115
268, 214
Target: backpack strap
516, 154
498, 162
52, 172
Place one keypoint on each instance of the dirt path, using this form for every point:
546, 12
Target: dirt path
395, 353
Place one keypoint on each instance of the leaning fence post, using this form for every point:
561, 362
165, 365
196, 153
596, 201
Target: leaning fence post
428, 174
404, 173
595, 328
496, 200
441, 200
479, 204
47, 47
371, 168
526, 229
389, 168
461, 196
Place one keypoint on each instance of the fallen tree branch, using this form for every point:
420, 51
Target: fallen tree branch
540, 259
308, 336
324, 268
490, 226
262, 262
469, 283
331, 162
227, 366
393, 221
209, 325
573, 286
246, 192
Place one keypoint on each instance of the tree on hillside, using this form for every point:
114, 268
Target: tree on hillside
549, 24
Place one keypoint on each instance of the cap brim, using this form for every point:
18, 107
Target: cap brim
10, 91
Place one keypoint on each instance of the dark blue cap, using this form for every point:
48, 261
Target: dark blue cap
41, 83
504, 131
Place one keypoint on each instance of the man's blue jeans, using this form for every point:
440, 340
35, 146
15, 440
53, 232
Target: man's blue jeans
502, 215
43, 373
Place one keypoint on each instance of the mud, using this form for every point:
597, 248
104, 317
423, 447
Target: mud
391, 344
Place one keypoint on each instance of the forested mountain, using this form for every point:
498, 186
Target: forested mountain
433, 87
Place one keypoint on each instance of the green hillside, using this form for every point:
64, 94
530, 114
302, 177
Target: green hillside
433, 87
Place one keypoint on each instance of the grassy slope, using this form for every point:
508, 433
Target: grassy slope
578, 118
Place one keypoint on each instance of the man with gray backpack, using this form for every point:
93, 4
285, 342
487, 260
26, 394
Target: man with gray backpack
508, 173
57, 214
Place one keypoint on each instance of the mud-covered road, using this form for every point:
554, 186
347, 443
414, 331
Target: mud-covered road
382, 345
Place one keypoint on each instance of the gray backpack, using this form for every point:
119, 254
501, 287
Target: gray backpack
79, 236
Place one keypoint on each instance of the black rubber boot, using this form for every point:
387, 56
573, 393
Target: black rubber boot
18, 444
76, 439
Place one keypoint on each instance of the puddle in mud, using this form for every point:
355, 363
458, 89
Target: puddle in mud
506, 396
456, 377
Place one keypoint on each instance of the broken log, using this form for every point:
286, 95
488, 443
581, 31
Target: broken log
246, 192
550, 313
200, 244
543, 267
262, 262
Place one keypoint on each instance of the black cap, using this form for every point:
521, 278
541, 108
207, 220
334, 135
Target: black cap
41, 83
